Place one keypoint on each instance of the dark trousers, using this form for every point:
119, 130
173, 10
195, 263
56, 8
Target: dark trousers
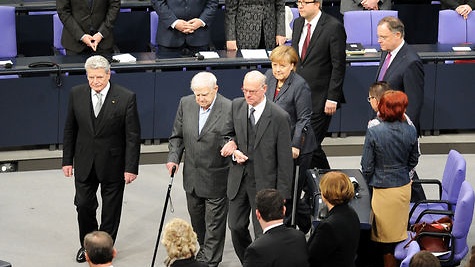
86, 205
238, 217
208, 218
320, 123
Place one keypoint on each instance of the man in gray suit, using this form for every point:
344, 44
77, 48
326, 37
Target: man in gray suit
199, 129
262, 159
355, 5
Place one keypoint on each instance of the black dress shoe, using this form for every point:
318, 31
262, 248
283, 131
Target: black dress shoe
81, 256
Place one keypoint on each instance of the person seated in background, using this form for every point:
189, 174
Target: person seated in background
424, 258
355, 5
335, 240
99, 249
462, 7
279, 246
180, 242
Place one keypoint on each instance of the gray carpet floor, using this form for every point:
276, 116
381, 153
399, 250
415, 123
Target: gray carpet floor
38, 220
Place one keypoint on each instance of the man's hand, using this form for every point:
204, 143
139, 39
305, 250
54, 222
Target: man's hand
183, 26
170, 167
463, 10
194, 24
295, 152
68, 170
89, 41
280, 40
228, 149
240, 157
231, 45
370, 4
129, 177
96, 39
330, 108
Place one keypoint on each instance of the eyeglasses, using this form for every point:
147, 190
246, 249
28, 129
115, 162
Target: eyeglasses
370, 97
251, 92
304, 3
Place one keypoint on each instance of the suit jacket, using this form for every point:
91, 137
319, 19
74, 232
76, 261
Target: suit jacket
335, 240
111, 144
246, 19
170, 10
273, 164
406, 73
324, 65
295, 98
205, 171
453, 4
79, 19
354, 5
191, 262
278, 247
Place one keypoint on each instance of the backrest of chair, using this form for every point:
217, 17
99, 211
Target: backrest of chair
8, 44
471, 27
453, 177
358, 27
412, 249
463, 219
376, 16
452, 27
296, 14
57, 32
153, 27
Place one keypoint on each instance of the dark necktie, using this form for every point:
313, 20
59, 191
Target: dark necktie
385, 66
307, 41
251, 117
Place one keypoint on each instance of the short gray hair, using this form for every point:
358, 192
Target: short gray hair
257, 76
97, 62
203, 79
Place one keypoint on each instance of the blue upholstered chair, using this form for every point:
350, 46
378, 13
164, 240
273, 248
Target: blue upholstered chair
57, 32
405, 254
8, 44
471, 27
153, 30
452, 27
361, 26
376, 16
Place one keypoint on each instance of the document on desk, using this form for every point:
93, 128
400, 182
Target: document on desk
209, 54
124, 58
5, 62
461, 48
254, 53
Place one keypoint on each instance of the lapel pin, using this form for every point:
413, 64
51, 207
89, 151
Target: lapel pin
113, 101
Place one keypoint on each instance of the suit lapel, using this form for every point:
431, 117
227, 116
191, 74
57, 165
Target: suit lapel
316, 33
111, 100
285, 86
398, 59
195, 117
271, 86
263, 123
241, 125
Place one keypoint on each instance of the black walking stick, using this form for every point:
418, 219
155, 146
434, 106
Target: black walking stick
163, 215
296, 197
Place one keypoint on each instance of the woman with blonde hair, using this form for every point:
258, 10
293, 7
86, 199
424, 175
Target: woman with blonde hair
180, 242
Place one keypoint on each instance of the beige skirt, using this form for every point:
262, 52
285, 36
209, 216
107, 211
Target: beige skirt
390, 208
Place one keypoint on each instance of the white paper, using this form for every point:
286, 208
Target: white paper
209, 54
461, 48
371, 50
4, 62
254, 53
124, 58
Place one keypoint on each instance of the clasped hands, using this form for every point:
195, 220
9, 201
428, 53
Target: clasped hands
370, 4
188, 27
463, 10
230, 148
92, 41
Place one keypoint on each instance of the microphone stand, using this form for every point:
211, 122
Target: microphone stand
163, 215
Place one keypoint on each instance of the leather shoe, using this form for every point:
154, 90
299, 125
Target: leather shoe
81, 256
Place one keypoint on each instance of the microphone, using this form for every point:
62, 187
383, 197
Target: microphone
199, 56
8, 65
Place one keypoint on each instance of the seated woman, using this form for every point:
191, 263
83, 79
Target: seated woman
180, 242
390, 151
335, 240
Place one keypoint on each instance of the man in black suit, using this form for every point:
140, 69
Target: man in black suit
199, 129
102, 141
279, 246
263, 158
88, 25
184, 24
320, 40
400, 66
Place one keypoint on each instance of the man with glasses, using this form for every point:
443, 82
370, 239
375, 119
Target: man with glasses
320, 40
263, 158
400, 66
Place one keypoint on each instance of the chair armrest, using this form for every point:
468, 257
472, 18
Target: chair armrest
429, 201
451, 244
439, 212
430, 181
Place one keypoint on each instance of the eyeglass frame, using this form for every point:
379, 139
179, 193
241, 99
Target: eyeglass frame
304, 3
252, 92
370, 97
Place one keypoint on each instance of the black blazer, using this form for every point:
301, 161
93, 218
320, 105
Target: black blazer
273, 164
295, 98
111, 144
324, 65
406, 73
335, 240
191, 262
279, 247
79, 19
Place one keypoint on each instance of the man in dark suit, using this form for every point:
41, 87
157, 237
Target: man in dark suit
320, 40
88, 25
279, 246
400, 66
199, 129
102, 141
263, 158
184, 24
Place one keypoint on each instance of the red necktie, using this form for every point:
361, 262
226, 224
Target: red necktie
385, 66
307, 41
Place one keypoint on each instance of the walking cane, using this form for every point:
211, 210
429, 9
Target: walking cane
296, 181
163, 215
